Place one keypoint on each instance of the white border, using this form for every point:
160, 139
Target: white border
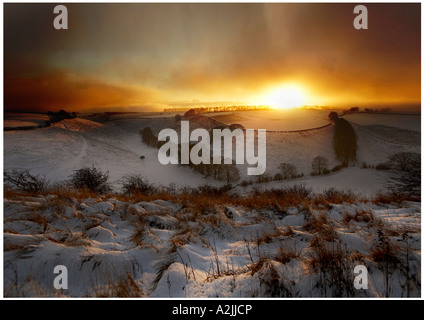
194, 298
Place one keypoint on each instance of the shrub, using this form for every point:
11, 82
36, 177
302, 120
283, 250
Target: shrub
382, 166
278, 176
136, 184
337, 168
288, 171
333, 195
319, 165
190, 113
333, 116
22, 180
148, 137
263, 178
92, 179
59, 116
229, 173
211, 190
245, 183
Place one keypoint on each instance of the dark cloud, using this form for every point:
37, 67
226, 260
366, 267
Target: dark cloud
60, 90
148, 54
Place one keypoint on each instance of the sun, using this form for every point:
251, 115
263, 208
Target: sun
285, 97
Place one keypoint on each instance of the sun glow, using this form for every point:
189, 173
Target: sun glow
285, 97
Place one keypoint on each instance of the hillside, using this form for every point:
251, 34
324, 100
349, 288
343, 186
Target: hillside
115, 146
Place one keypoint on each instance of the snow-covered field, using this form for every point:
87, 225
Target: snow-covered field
114, 145
155, 248
401, 121
13, 120
176, 249
275, 120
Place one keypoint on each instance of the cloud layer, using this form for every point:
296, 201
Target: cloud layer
148, 55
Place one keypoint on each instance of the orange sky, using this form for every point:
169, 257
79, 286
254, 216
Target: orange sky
142, 57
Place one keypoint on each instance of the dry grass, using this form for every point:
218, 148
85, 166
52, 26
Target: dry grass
137, 236
71, 239
287, 232
124, 287
333, 264
38, 218
362, 216
393, 198
287, 254
323, 255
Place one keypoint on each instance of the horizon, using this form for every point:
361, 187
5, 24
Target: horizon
377, 108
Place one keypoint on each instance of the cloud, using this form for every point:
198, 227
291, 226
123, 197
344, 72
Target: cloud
59, 89
152, 54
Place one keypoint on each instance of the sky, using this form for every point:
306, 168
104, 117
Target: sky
146, 57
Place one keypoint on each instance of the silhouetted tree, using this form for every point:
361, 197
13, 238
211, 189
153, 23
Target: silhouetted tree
148, 137
319, 165
59, 116
229, 172
288, 171
333, 116
190, 113
406, 178
405, 161
344, 141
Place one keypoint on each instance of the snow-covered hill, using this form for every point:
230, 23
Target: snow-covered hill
115, 146
197, 247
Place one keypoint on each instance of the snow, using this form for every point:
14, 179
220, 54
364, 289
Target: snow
275, 120
12, 119
401, 121
168, 248
18, 123
218, 255
115, 147
57, 151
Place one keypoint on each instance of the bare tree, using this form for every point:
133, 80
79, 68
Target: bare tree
229, 172
22, 180
319, 165
407, 178
405, 160
288, 171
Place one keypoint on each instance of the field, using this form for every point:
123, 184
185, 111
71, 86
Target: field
275, 120
113, 144
289, 238
282, 244
400, 121
13, 120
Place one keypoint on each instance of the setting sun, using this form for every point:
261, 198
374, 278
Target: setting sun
285, 97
